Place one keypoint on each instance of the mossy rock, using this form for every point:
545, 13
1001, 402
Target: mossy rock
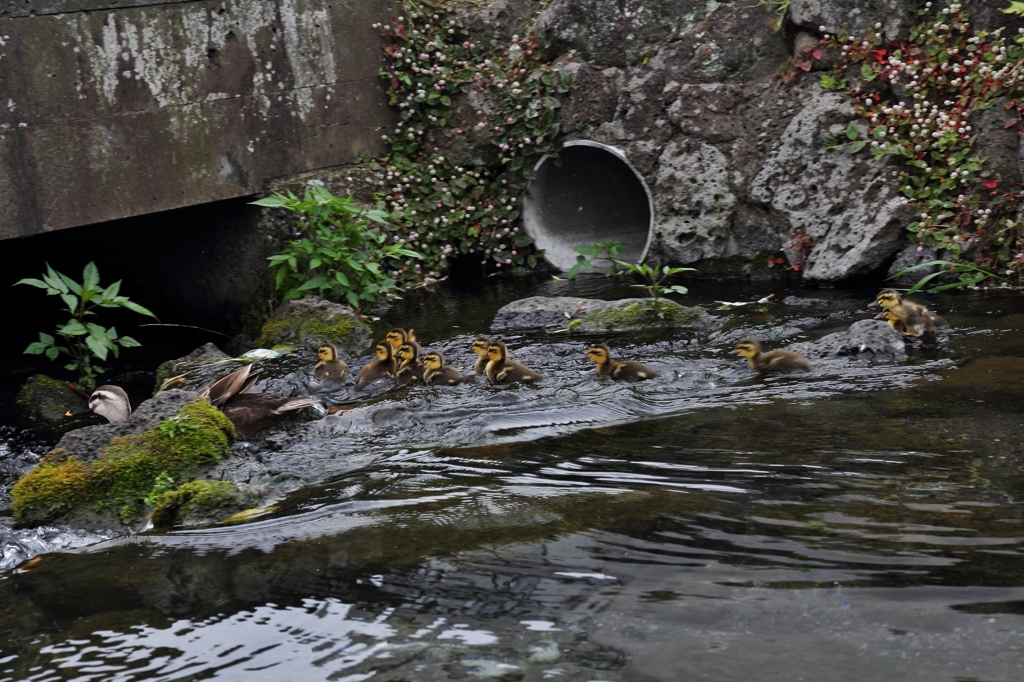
308, 322
202, 502
43, 402
593, 315
105, 472
203, 366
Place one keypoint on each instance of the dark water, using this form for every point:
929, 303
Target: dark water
863, 522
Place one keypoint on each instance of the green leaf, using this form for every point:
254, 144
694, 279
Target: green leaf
33, 282
71, 301
90, 277
866, 72
128, 342
273, 201
856, 147
134, 307
52, 352
73, 328
97, 347
852, 131
36, 348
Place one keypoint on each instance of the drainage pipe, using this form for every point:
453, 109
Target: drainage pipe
589, 193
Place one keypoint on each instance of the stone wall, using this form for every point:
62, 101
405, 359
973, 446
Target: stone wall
116, 108
690, 91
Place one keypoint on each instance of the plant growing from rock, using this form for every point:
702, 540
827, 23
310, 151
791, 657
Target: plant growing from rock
83, 341
916, 100
588, 254
655, 282
446, 209
338, 256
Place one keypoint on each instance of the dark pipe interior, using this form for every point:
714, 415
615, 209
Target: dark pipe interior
586, 195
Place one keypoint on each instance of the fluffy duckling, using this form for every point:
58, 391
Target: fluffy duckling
908, 318
625, 370
773, 361
249, 412
501, 370
397, 336
330, 370
438, 373
480, 346
111, 402
410, 367
383, 366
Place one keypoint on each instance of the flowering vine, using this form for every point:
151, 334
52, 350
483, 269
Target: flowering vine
440, 208
916, 99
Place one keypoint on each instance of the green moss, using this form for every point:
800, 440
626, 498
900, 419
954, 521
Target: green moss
125, 471
641, 315
301, 327
43, 400
199, 501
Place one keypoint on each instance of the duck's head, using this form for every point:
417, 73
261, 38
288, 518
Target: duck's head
383, 351
434, 361
327, 352
110, 402
396, 337
497, 351
480, 346
748, 348
599, 353
409, 351
887, 298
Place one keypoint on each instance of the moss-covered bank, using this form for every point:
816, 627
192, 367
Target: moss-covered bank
124, 471
203, 502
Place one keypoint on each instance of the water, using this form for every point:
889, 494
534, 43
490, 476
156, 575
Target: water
861, 522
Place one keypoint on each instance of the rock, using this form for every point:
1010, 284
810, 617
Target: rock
100, 474
998, 145
204, 502
595, 315
199, 368
42, 402
845, 215
865, 339
855, 16
911, 255
308, 322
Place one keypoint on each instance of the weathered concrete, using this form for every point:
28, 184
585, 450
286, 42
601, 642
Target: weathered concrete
133, 107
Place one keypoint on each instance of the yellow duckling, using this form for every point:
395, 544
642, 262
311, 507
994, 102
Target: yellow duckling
438, 373
397, 336
908, 318
330, 370
773, 361
383, 366
410, 368
625, 370
480, 346
501, 370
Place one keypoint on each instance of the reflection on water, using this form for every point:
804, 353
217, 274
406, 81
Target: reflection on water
860, 523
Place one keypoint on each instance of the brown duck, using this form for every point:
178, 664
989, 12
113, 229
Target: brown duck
772, 361
249, 412
410, 367
624, 370
501, 370
383, 366
330, 370
438, 373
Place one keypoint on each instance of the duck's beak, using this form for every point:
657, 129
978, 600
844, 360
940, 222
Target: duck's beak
873, 304
879, 316
734, 352
78, 411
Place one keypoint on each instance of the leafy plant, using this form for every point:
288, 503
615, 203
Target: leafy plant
916, 101
174, 426
969, 275
656, 282
779, 6
1016, 7
443, 208
83, 341
588, 254
163, 483
338, 256
830, 81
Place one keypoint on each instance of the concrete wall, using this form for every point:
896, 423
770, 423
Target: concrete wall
117, 108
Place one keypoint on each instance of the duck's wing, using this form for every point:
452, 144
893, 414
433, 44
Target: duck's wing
225, 388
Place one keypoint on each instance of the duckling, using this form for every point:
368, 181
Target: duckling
383, 366
438, 373
330, 370
411, 368
501, 370
111, 402
249, 412
480, 345
626, 370
773, 361
908, 318
397, 336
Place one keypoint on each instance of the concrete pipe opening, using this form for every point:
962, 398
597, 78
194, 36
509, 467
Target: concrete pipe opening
588, 194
